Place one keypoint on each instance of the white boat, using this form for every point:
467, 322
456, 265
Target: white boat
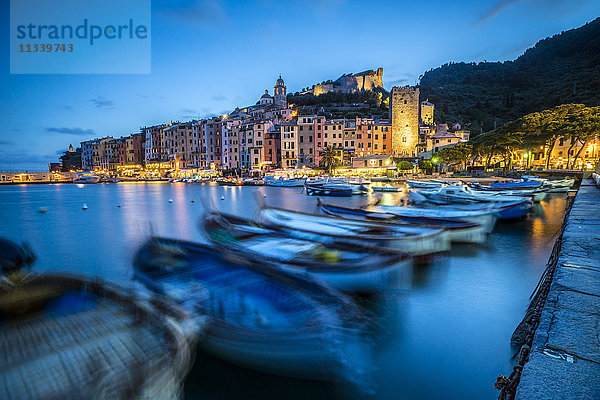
349, 268
536, 195
285, 182
461, 195
387, 188
460, 231
555, 186
357, 186
414, 240
87, 178
424, 184
596, 179
485, 218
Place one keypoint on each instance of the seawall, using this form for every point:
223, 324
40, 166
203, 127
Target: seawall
564, 361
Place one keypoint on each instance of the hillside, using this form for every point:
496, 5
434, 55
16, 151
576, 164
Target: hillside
564, 68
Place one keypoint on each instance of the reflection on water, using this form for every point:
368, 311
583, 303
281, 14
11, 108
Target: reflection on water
447, 338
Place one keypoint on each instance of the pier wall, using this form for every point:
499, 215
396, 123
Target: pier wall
564, 362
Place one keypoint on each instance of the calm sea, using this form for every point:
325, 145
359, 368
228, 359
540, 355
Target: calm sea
447, 338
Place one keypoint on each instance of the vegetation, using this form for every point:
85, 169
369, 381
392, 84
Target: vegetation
329, 161
405, 166
573, 122
458, 154
342, 105
558, 70
425, 165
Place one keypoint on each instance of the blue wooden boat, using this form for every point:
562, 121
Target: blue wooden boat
66, 337
517, 185
352, 268
259, 318
460, 231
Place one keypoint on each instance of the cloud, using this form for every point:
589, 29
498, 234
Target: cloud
9, 160
559, 7
199, 12
72, 131
101, 102
66, 107
219, 97
6, 142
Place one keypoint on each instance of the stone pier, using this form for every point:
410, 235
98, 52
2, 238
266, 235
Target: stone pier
565, 355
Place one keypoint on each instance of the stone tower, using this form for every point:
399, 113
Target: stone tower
404, 120
280, 97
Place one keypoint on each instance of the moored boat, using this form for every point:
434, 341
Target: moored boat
516, 185
424, 184
86, 178
259, 318
596, 179
387, 188
459, 231
461, 195
485, 218
414, 240
343, 267
285, 182
70, 337
328, 189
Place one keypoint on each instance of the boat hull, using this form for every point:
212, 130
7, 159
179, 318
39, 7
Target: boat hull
259, 318
457, 231
330, 230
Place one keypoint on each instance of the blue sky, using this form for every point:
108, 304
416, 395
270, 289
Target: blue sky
209, 56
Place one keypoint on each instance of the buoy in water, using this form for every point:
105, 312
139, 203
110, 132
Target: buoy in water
85, 207
170, 200
265, 195
193, 200
118, 205
222, 197
43, 210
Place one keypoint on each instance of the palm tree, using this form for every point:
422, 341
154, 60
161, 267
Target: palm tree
328, 159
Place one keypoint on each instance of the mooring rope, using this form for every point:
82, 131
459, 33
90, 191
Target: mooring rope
525, 331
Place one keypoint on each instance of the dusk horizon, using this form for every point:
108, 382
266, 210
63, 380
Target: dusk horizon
214, 70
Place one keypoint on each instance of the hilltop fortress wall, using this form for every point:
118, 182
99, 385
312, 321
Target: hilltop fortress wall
350, 83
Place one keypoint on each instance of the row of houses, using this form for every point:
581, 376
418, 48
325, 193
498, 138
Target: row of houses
271, 134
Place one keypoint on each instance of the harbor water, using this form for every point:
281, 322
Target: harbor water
447, 337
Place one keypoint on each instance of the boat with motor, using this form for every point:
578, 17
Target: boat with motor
343, 267
485, 218
333, 230
86, 178
258, 317
65, 336
460, 231
387, 188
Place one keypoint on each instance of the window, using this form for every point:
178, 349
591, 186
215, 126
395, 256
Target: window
384, 135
